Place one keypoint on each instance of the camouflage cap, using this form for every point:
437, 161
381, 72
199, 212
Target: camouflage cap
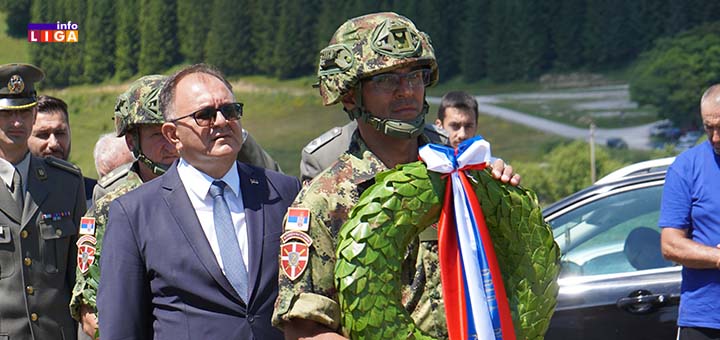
140, 104
369, 45
17, 90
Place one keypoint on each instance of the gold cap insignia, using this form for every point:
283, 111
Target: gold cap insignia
16, 84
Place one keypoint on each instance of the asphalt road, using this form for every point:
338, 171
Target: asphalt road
637, 137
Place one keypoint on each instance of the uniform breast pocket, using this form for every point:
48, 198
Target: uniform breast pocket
57, 243
8, 253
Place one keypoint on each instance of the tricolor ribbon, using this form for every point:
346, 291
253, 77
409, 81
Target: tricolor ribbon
476, 305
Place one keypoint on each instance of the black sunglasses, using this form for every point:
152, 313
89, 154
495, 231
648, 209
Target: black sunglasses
206, 116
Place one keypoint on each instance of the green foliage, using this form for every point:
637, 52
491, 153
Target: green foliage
473, 49
672, 75
193, 27
158, 42
71, 63
263, 32
566, 34
18, 16
14, 49
228, 42
127, 40
101, 22
294, 54
518, 43
565, 170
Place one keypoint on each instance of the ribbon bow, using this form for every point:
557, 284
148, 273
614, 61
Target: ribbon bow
473, 291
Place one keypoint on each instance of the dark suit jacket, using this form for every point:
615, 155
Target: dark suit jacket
38, 254
160, 278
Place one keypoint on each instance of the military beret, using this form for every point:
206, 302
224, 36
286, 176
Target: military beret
17, 86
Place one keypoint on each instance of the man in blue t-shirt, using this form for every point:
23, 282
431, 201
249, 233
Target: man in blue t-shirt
690, 218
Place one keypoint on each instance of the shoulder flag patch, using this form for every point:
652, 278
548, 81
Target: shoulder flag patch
87, 226
297, 219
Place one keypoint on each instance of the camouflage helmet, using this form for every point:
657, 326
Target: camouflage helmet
369, 45
140, 104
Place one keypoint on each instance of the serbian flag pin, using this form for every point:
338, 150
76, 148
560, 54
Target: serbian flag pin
87, 226
297, 219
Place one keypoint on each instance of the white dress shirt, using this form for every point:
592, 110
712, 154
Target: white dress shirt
7, 170
197, 185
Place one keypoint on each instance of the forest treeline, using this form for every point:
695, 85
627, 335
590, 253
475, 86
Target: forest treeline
502, 40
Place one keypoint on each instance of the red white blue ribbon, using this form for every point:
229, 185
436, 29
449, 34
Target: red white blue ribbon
473, 291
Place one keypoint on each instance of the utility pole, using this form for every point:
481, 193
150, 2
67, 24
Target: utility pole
592, 153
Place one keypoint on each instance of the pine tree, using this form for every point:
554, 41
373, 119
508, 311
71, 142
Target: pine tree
127, 39
566, 33
158, 43
193, 28
17, 17
294, 53
264, 23
473, 42
72, 54
38, 14
101, 22
228, 42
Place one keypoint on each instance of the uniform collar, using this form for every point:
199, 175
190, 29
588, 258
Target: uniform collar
7, 170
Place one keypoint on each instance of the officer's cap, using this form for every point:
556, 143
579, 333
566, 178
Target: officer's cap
17, 86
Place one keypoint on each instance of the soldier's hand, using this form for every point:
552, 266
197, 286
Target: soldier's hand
504, 172
88, 321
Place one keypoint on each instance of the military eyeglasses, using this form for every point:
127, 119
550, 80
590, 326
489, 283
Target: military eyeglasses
206, 116
391, 81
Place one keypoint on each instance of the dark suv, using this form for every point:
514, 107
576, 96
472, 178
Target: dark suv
614, 282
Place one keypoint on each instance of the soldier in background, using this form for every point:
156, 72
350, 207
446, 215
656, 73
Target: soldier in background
138, 119
51, 135
41, 202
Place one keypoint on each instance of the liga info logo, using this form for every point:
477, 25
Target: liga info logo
59, 32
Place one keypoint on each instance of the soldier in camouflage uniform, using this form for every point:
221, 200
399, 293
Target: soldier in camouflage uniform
136, 115
378, 66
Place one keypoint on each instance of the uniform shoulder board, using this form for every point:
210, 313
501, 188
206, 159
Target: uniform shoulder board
436, 134
64, 165
115, 175
323, 139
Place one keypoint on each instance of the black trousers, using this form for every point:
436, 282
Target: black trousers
698, 333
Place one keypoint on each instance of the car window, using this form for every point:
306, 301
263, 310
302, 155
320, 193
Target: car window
615, 233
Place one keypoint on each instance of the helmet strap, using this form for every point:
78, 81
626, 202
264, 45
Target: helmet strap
156, 168
402, 129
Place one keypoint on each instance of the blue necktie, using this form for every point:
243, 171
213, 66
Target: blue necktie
235, 270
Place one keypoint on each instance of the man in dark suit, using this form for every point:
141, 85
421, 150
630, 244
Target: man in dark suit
41, 202
51, 135
193, 254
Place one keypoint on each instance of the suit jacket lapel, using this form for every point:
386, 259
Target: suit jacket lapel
7, 204
255, 192
178, 203
36, 192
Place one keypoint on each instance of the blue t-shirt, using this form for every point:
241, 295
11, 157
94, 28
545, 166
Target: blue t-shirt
691, 200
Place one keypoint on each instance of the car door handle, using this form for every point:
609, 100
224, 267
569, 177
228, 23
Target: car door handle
642, 302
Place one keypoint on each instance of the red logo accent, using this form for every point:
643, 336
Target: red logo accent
293, 259
86, 257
